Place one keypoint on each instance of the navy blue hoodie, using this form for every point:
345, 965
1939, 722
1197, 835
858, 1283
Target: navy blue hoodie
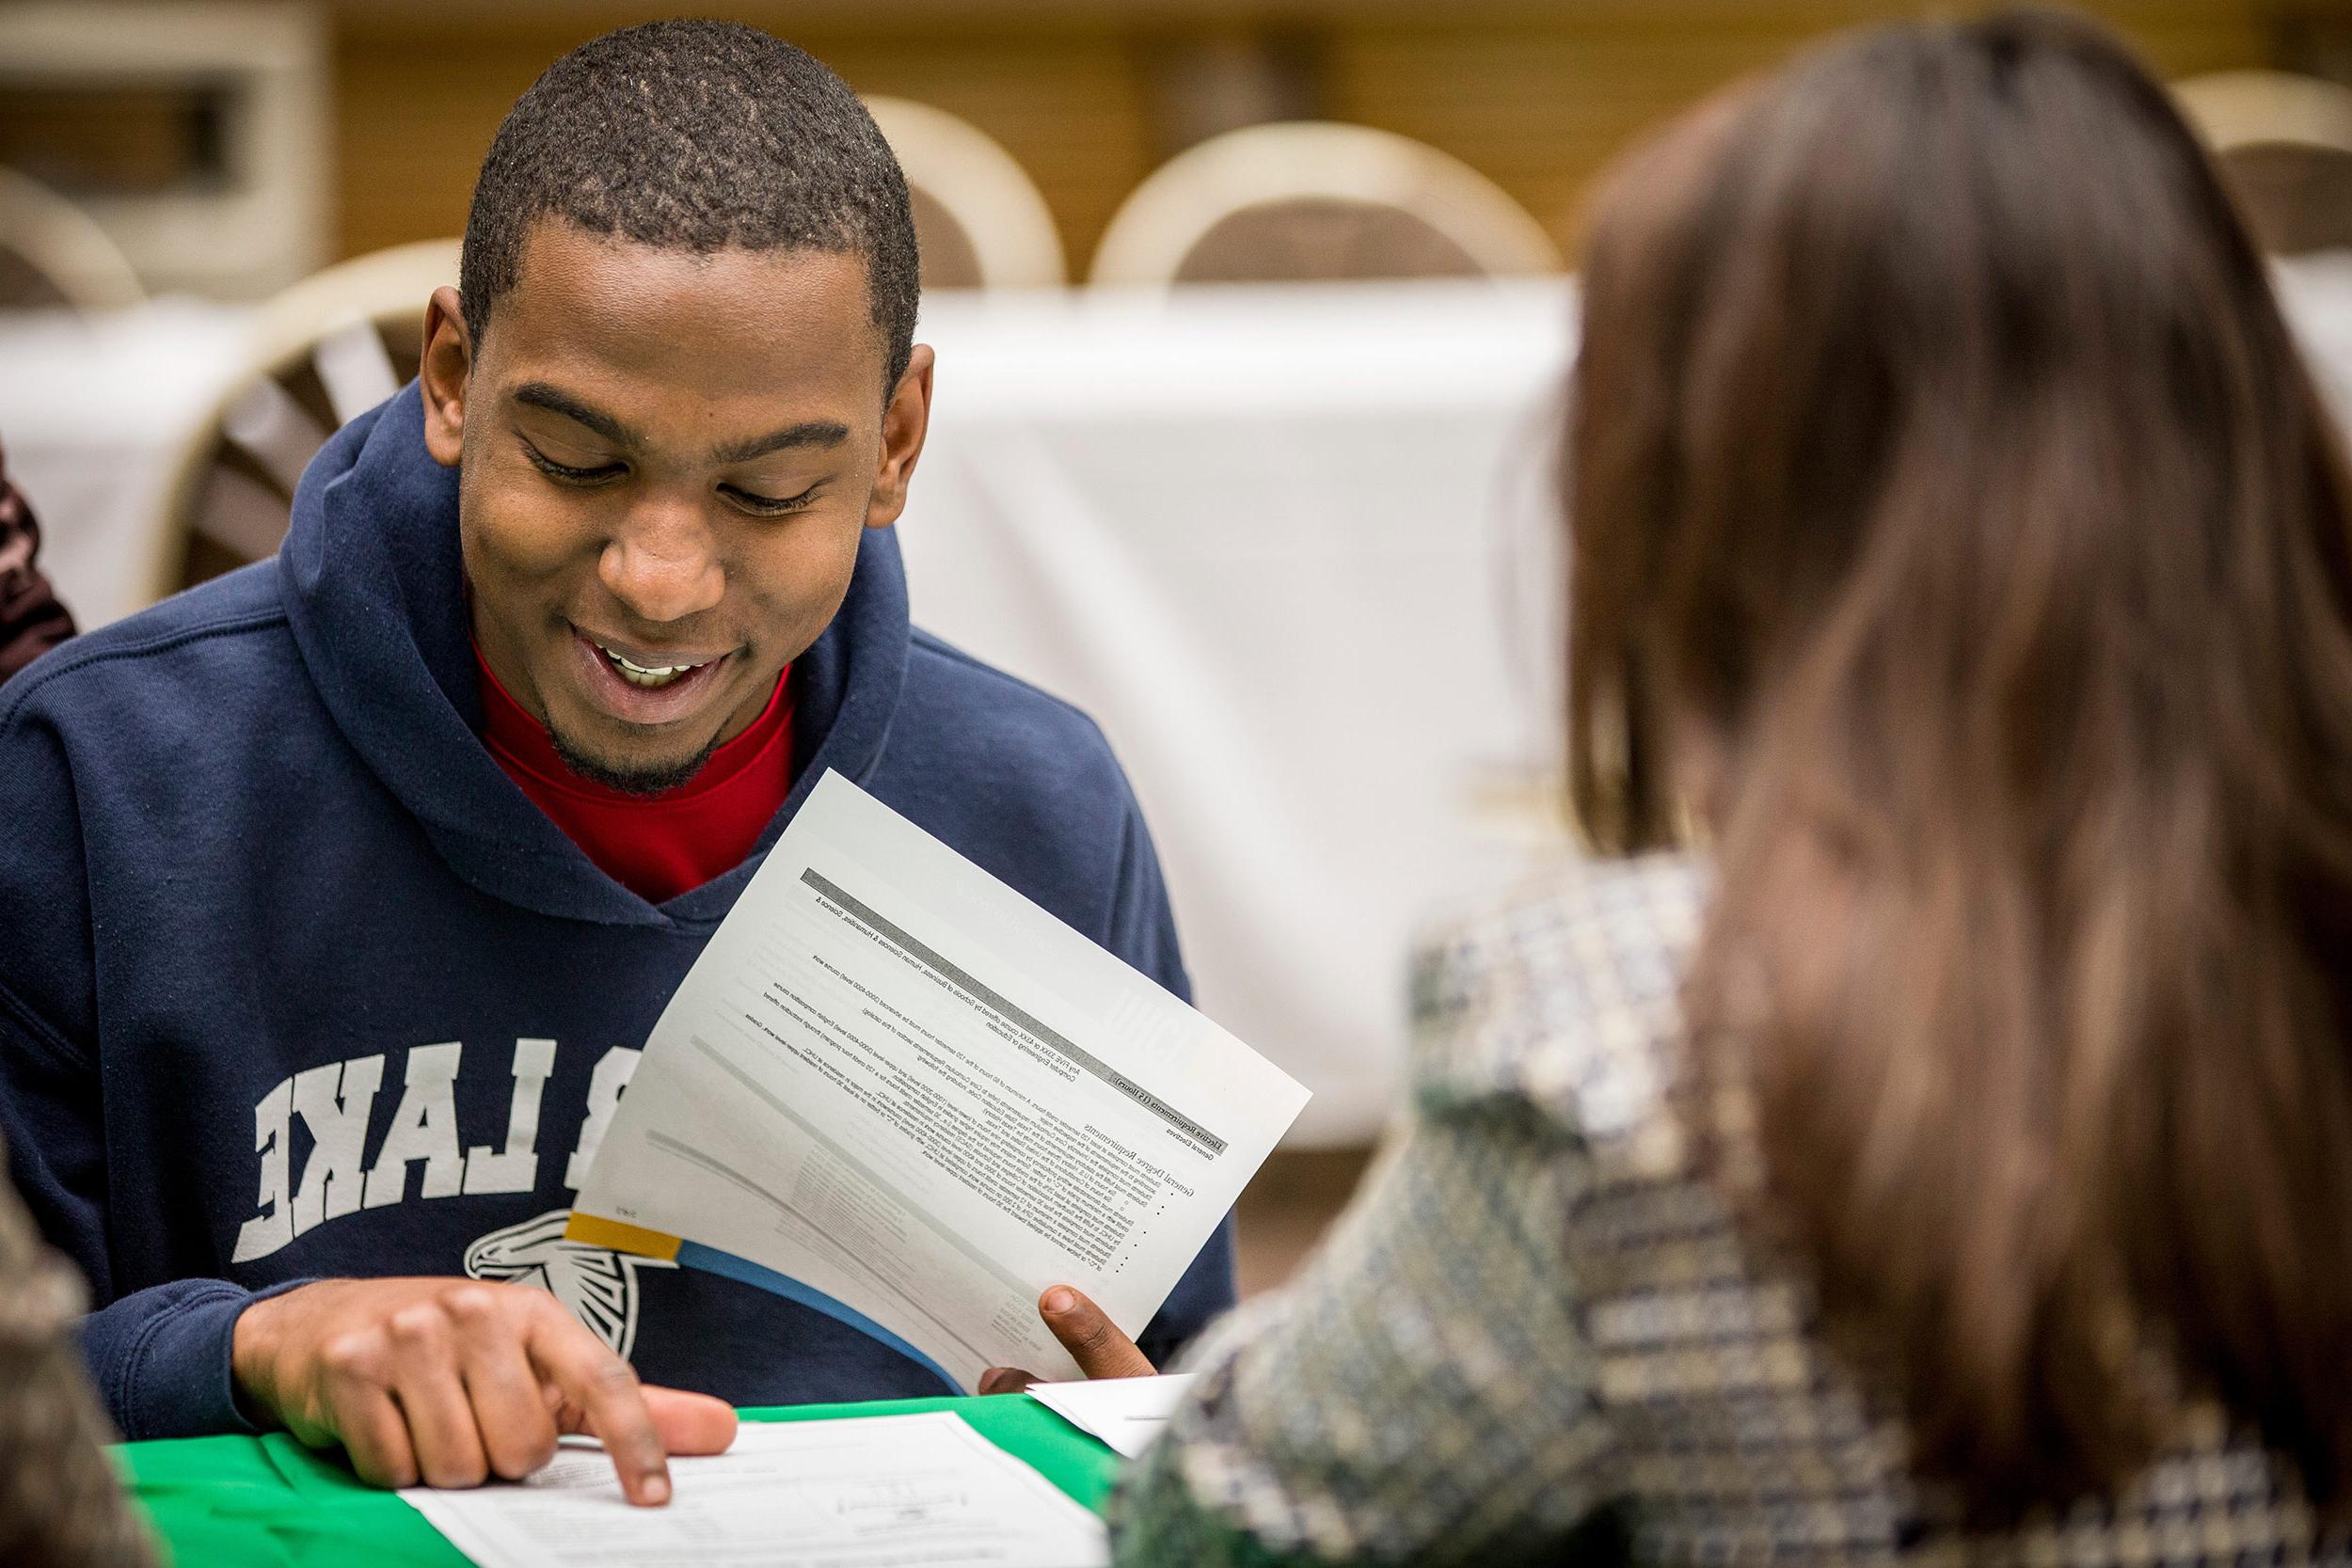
294, 983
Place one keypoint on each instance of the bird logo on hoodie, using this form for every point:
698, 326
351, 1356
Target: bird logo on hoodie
597, 1285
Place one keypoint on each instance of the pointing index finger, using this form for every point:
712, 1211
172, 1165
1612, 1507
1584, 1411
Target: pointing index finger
601, 1396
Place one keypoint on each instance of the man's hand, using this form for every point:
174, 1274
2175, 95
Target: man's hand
454, 1381
1087, 1332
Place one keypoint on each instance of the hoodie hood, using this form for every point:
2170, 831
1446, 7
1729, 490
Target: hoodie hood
373, 579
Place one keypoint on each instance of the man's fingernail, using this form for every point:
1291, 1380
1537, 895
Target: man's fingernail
1060, 1299
657, 1490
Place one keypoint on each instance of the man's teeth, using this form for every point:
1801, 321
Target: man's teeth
648, 677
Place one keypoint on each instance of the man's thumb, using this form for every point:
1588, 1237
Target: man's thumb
1087, 1332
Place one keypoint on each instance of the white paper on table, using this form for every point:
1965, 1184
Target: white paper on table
1125, 1412
880, 1492
912, 1098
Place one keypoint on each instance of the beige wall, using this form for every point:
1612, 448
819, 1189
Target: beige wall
1538, 100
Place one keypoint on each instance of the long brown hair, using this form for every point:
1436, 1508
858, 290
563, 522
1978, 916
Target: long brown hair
1940, 458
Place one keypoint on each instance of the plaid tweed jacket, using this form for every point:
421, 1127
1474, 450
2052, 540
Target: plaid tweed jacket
1536, 1337
61, 1504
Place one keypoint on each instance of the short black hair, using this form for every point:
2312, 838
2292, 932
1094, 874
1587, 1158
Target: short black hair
696, 135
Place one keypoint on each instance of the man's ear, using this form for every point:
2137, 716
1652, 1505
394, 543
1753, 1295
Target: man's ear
905, 422
442, 375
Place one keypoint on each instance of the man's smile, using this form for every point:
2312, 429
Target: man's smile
650, 675
638, 686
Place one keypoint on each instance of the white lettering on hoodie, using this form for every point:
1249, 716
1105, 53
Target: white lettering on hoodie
335, 1102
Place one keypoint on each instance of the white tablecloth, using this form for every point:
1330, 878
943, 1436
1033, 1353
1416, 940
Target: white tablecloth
1277, 542
1290, 547
91, 414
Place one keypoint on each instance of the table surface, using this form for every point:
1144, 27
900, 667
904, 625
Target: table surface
269, 1502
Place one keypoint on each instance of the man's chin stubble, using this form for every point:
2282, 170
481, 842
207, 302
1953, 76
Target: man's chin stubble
631, 781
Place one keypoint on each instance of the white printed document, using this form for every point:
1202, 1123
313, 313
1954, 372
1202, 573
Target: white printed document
1127, 1413
884, 1492
899, 1091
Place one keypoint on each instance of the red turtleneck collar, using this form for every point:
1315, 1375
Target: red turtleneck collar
656, 845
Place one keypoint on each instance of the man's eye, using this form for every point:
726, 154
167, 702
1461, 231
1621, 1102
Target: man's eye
768, 506
564, 474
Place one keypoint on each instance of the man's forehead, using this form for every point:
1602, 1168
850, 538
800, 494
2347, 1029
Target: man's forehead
729, 321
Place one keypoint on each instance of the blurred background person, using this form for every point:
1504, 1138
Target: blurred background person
32, 621
1950, 1164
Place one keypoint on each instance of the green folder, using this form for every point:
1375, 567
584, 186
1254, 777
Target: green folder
269, 1502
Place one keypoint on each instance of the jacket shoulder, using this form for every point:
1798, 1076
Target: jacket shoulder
997, 722
935, 661
114, 716
1564, 994
193, 636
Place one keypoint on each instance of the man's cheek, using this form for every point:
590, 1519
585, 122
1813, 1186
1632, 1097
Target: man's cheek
531, 539
815, 573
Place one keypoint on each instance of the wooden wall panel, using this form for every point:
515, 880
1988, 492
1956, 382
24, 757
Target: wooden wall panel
1541, 107
1537, 99
415, 111
417, 108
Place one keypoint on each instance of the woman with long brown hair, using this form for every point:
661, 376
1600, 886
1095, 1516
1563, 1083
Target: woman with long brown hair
1953, 1158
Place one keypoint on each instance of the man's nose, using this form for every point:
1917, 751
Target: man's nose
662, 564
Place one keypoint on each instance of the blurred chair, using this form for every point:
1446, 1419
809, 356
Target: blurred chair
1310, 200
2285, 142
52, 253
978, 214
323, 351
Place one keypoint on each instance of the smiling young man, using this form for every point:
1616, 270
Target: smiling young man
345, 887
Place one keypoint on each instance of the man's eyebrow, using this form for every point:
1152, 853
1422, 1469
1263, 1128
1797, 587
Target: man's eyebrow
538, 394
808, 432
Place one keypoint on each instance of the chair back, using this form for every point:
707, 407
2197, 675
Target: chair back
1310, 201
52, 254
2285, 142
323, 351
979, 216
